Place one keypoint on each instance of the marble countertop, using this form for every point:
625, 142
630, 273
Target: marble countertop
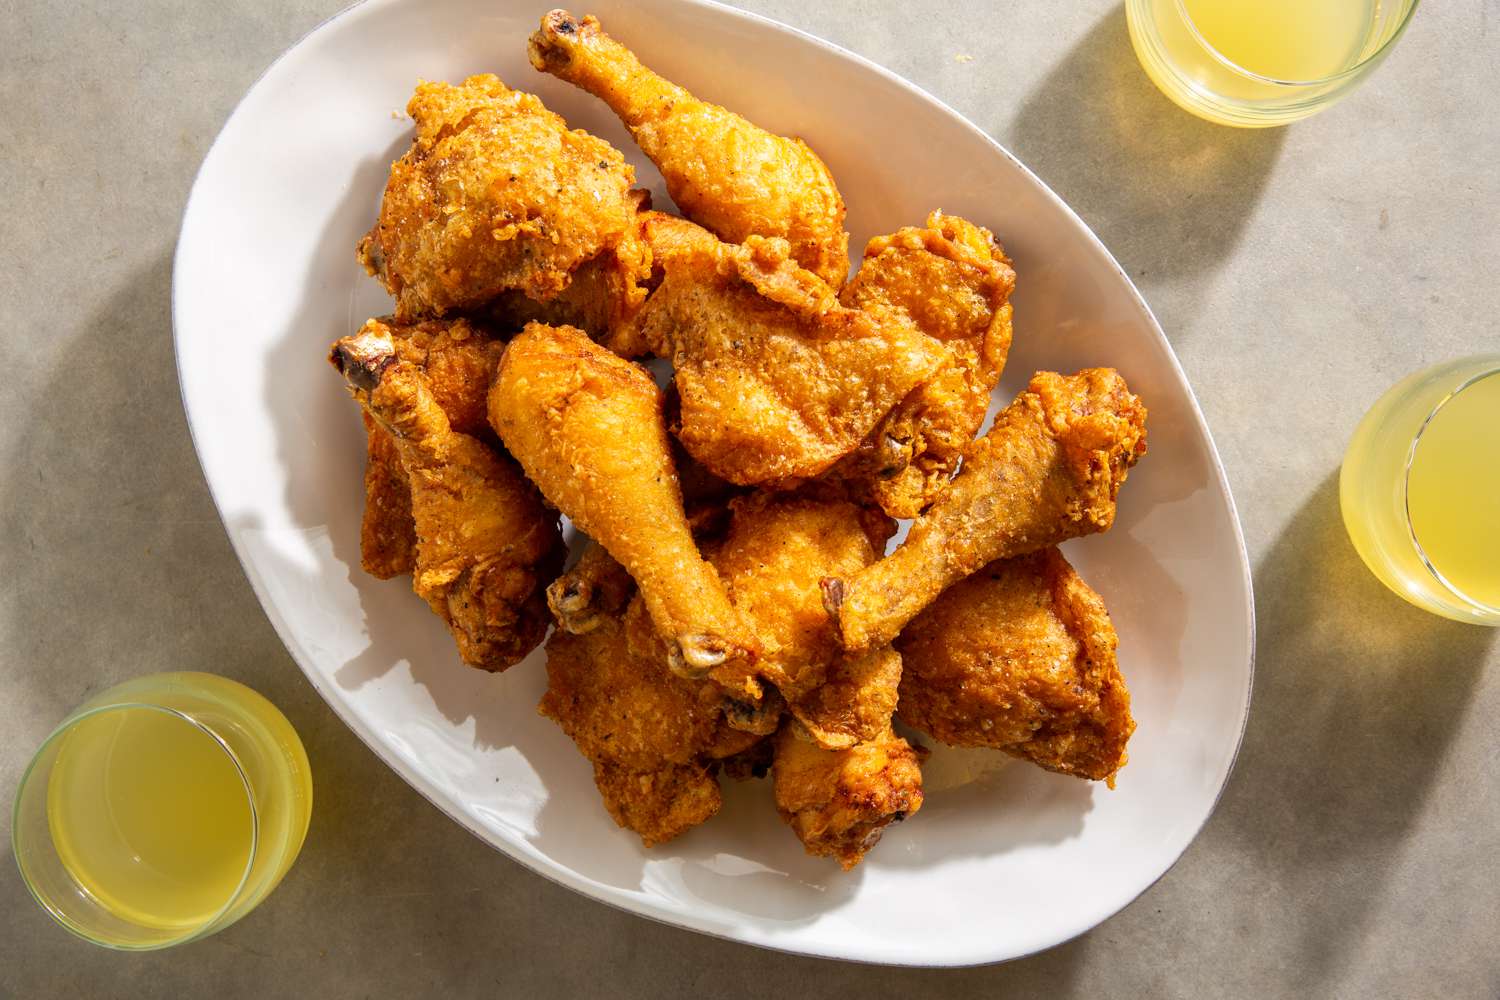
1298, 272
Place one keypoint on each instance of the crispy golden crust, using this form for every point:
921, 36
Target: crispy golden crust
1020, 657
776, 380
592, 590
855, 701
1048, 470
653, 737
587, 427
777, 548
724, 173
953, 282
486, 545
387, 534
839, 802
495, 194
457, 361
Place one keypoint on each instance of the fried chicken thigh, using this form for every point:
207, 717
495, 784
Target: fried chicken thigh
726, 174
456, 360
953, 282
486, 545
777, 380
1020, 657
1048, 470
652, 737
495, 194
839, 802
587, 426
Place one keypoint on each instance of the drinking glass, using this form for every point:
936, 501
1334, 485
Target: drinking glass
162, 810
1420, 489
1258, 63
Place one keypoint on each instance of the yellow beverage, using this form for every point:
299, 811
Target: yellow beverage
164, 809
151, 817
1281, 39
1420, 489
1261, 62
1453, 491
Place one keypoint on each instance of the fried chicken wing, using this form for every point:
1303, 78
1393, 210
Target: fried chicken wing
456, 360
1048, 470
777, 380
653, 737
952, 281
724, 173
587, 427
486, 545
495, 194
854, 703
839, 802
1020, 657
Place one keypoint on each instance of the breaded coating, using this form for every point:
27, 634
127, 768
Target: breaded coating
724, 173
1048, 470
486, 545
587, 426
652, 736
777, 549
591, 591
495, 194
457, 360
839, 802
1020, 657
855, 701
953, 282
777, 380
601, 299
387, 533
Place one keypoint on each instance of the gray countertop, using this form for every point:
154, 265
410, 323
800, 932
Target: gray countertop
1298, 272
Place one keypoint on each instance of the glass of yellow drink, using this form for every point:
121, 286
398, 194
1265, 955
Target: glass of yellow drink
162, 810
1420, 489
1256, 63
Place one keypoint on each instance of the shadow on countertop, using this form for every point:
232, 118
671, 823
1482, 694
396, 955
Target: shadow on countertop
1167, 192
1357, 698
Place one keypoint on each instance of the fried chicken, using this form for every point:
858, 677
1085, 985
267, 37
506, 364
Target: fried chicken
495, 194
456, 360
776, 549
839, 802
486, 545
587, 427
590, 592
953, 282
1020, 657
1048, 470
652, 737
726, 174
777, 380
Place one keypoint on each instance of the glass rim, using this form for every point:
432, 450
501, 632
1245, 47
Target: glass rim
67, 726
1358, 67
1411, 454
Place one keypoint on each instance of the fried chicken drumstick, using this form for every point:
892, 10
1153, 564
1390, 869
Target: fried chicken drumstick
486, 545
587, 427
724, 173
456, 360
1020, 657
1048, 470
